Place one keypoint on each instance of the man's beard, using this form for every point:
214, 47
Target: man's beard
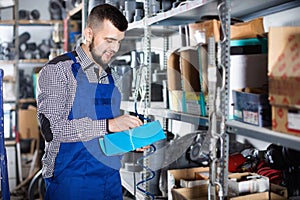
96, 57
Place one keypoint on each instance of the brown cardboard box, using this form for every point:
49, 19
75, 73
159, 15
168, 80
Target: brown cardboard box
250, 29
174, 176
284, 74
279, 190
284, 66
276, 193
284, 78
189, 66
193, 64
173, 71
286, 120
211, 28
260, 196
256, 196
278, 38
199, 192
27, 121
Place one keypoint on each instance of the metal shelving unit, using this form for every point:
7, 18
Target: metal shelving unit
192, 11
166, 23
31, 22
157, 109
264, 134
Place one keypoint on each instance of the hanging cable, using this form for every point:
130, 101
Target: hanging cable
142, 117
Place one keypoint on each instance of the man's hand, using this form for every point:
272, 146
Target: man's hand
123, 122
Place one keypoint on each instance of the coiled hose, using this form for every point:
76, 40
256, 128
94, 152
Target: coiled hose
152, 173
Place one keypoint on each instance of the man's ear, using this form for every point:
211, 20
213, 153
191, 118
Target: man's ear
88, 33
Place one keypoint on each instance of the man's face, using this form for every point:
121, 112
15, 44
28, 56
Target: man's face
105, 43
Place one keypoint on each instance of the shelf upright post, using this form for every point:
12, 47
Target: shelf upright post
218, 105
147, 54
224, 66
210, 141
3, 157
147, 84
17, 50
17, 86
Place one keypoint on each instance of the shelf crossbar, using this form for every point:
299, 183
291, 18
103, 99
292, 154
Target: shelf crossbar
263, 133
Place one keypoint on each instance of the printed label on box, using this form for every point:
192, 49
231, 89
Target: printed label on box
294, 120
250, 117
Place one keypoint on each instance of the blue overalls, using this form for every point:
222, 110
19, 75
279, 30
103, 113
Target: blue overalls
82, 171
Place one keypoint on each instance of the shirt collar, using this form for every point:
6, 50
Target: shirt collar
85, 61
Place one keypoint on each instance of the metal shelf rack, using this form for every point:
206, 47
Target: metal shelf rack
157, 109
262, 133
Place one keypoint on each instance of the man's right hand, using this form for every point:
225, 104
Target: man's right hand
123, 122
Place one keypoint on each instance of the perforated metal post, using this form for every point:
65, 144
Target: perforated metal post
224, 64
147, 51
3, 158
147, 64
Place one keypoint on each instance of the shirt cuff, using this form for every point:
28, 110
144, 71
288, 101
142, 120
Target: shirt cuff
107, 126
101, 126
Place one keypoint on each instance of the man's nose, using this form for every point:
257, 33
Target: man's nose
115, 46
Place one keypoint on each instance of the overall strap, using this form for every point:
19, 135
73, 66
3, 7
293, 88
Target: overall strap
110, 78
75, 66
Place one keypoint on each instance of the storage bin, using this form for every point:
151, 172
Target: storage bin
252, 108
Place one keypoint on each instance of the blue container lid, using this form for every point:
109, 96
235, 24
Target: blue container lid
251, 41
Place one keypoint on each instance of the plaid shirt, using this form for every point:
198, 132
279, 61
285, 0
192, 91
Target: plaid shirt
56, 93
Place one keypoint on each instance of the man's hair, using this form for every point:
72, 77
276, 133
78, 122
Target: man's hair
107, 12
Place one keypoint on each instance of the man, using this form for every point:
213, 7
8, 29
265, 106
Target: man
78, 102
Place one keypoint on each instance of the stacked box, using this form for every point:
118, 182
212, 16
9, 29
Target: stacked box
252, 106
247, 183
284, 78
196, 177
187, 82
212, 28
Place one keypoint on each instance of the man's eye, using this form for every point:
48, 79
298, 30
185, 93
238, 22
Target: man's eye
110, 41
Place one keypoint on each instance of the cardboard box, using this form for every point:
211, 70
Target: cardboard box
175, 100
286, 120
187, 102
193, 68
247, 71
210, 27
251, 29
284, 76
278, 39
193, 104
195, 193
27, 120
174, 176
189, 67
256, 196
279, 191
173, 71
245, 183
260, 196
276, 193
9, 88
251, 105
